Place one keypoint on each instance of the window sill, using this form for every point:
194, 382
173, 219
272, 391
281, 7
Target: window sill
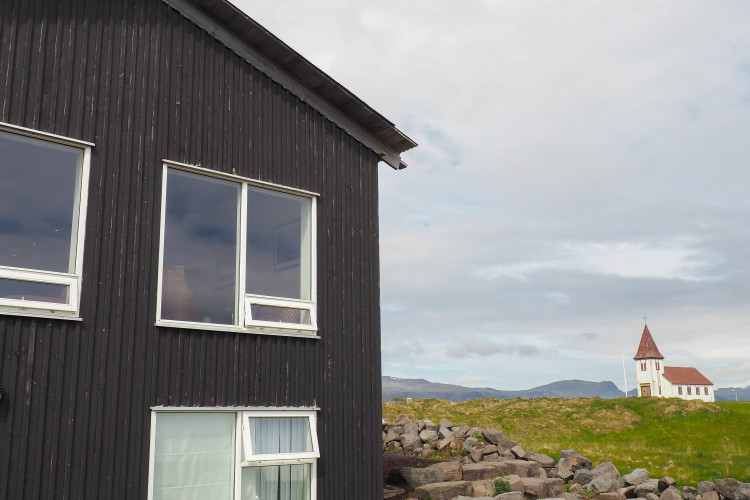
32, 313
256, 330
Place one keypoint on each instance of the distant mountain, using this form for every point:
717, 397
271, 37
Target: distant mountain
729, 393
394, 387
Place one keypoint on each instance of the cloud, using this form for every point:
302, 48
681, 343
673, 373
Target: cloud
594, 171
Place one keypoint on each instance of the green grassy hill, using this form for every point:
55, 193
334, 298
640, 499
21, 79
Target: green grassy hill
688, 440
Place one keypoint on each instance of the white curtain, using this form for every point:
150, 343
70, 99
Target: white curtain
194, 456
280, 435
276, 482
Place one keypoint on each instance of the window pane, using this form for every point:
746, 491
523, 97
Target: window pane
30, 290
38, 203
194, 456
200, 249
280, 314
280, 435
278, 244
280, 482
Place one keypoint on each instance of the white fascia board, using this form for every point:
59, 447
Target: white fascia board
276, 73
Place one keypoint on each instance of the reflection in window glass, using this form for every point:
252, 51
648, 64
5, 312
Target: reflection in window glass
200, 249
34, 291
277, 314
38, 203
278, 244
280, 482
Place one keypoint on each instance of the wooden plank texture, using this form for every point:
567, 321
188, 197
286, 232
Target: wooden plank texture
144, 84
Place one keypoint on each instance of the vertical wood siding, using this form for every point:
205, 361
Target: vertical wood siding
144, 84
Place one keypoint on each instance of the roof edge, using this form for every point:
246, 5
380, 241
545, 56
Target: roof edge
281, 63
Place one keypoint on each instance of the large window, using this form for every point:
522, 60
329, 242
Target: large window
236, 254
43, 186
233, 455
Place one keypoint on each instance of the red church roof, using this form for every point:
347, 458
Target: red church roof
685, 375
647, 348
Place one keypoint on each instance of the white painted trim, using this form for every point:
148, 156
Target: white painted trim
197, 169
242, 436
277, 74
73, 279
244, 322
45, 136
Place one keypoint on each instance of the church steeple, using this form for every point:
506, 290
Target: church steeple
647, 348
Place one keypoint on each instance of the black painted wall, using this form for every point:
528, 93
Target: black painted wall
145, 84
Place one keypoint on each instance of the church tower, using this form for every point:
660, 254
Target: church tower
649, 366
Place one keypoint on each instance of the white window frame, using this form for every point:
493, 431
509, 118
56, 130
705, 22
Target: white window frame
71, 309
243, 444
244, 321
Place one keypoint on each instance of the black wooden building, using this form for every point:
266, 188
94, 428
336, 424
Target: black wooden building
189, 281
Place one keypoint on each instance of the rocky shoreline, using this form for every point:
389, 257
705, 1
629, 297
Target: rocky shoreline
485, 465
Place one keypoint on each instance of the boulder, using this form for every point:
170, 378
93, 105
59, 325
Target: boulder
444, 422
610, 495
449, 471
627, 491
602, 484
444, 432
411, 477
704, 487
445, 442
518, 452
484, 470
421, 424
742, 492
483, 488
564, 474
390, 491
522, 468
582, 476
443, 491
493, 436
652, 496
650, 486
511, 495
411, 428
402, 420
671, 493
709, 495
606, 469
636, 477
542, 459
727, 487
506, 444
574, 463
665, 483
430, 437
462, 431
410, 442
469, 444
535, 487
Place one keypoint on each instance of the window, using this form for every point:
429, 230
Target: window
233, 455
688, 389
643, 366
705, 390
236, 254
697, 391
679, 389
657, 366
42, 220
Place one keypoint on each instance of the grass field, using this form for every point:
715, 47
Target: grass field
688, 440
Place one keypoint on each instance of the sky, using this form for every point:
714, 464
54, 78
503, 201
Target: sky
581, 165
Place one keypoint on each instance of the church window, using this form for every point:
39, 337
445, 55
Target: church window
689, 390
643, 366
679, 389
657, 365
705, 390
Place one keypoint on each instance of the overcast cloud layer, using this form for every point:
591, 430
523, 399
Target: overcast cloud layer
580, 164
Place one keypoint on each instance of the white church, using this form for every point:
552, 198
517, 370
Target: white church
657, 380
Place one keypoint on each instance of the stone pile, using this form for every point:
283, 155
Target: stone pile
480, 456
